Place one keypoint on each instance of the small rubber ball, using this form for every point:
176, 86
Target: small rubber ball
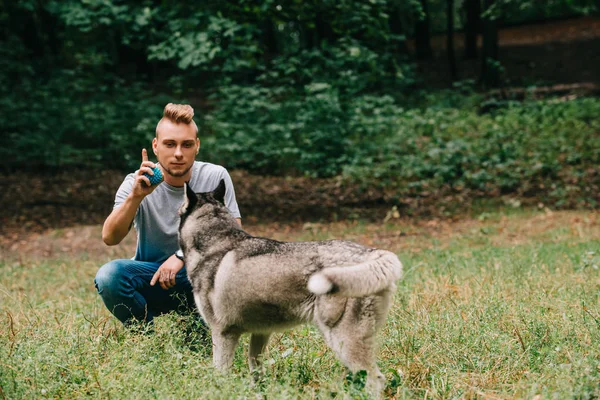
156, 178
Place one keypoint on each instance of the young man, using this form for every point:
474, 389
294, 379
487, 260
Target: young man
155, 280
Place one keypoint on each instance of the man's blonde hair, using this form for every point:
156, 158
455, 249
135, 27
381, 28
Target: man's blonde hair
179, 113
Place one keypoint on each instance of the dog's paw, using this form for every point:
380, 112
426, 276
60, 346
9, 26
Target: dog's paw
319, 284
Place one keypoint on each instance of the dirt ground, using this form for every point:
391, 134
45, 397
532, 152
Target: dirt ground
37, 203
400, 235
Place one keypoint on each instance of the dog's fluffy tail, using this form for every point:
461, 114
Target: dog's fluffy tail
369, 277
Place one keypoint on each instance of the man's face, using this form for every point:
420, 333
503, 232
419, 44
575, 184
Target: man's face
176, 146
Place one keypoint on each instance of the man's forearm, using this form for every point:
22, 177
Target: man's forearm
119, 221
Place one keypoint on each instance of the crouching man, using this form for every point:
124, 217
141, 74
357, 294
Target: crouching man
155, 280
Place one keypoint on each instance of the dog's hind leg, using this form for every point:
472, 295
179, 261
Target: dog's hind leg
353, 338
356, 350
258, 342
224, 344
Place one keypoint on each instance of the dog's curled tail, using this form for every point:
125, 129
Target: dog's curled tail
372, 276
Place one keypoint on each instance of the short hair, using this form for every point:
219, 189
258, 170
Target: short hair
179, 113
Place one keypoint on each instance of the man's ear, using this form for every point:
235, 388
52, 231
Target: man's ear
190, 199
219, 192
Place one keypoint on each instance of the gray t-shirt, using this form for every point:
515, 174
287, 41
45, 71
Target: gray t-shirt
157, 221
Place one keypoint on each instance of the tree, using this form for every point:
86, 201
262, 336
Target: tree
450, 38
472, 27
397, 28
490, 65
423, 34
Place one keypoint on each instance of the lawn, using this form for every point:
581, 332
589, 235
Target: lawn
504, 304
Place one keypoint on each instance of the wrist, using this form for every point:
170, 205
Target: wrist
179, 255
136, 198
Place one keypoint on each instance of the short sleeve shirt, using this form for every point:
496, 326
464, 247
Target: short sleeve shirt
157, 218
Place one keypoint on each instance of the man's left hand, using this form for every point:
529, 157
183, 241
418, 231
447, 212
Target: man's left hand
165, 274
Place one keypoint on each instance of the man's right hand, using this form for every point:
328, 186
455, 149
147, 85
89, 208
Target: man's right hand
142, 186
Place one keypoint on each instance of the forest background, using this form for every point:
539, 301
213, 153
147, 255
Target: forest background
320, 109
463, 135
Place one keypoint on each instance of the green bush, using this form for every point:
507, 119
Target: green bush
369, 139
278, 131
522, 145
71, 121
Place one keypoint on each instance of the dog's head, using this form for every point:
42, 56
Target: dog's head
202, 217
193, 201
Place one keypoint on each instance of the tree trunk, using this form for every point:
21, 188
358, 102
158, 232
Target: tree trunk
396, 28
400, 49
472, 27
113, 47
39, 24
423, 35
269, 39
450, 39
29, 25
323, 28
490, 67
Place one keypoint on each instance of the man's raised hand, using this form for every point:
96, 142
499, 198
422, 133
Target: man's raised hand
142, 186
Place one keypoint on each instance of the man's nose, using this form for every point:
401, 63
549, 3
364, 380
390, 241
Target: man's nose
178, 152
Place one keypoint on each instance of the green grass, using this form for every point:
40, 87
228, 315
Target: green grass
489, 309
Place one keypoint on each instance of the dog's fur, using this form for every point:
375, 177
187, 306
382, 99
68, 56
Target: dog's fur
243, 283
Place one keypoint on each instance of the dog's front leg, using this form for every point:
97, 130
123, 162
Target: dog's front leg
224, 344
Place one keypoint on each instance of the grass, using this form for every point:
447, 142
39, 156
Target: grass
506, 305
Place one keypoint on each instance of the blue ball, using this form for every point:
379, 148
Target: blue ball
156, 178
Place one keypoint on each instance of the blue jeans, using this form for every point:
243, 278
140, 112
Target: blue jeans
124, 286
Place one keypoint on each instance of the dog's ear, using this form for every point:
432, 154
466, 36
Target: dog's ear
219, 192
190, 199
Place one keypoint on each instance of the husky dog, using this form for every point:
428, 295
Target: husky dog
243, 283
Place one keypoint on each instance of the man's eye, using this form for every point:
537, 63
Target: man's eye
187, 145
170, 144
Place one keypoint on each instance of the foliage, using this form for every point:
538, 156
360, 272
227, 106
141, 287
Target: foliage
311, 133
514, 149
523, 148
228, 40
518, 11
70, 121
314, 88
285, 52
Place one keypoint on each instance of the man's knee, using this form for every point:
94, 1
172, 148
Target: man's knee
109, 276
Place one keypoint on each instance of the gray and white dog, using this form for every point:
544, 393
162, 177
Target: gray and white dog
243, 283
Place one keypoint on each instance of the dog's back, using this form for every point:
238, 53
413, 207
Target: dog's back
259, 290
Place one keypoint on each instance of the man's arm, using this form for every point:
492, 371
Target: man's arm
118, 223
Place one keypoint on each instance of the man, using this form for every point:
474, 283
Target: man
129, 287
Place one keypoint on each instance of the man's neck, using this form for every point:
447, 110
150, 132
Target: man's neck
178, 181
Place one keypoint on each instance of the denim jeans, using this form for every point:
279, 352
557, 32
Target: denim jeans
124, 286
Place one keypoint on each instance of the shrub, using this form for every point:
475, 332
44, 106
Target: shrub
69, 121
278, 131
523, 145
